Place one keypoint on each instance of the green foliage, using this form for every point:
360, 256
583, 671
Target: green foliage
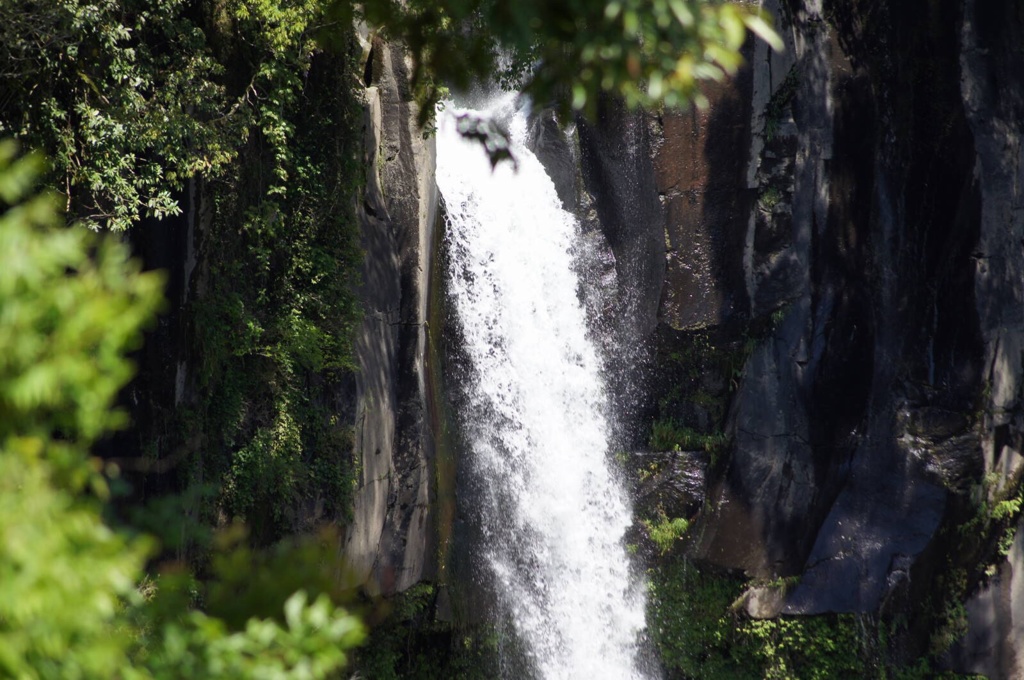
133, 98
123, 95
1006, 540
700, 632
408, 643
65, 578
951, 627
925, 670
977, 548
1008, 508
72, 601
569, 52
815, 648
311, 644
1005, 518
243, 582
667, 435
699, 635
689, 620
263, 471
275, 327
72, 305
768, 198
384, 655
280, 41
665, 532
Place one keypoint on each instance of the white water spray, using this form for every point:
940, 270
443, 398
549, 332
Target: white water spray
553, 514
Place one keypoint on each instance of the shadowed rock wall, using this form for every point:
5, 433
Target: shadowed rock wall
390, 540
992, 87
845, 221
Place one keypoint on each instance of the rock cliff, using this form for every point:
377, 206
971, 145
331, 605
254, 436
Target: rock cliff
842, 243
390, 540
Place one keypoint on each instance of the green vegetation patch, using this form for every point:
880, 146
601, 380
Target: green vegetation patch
666, 531
699, 634
409, 643
126, 97
276, 323
75, 601
247, 98
667, 435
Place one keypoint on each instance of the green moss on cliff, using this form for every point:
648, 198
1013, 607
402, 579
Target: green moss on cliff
275, 323
699, 633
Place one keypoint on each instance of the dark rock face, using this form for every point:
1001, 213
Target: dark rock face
550, 145
619, 175
992, 87
623, 225
699, 161
671, 481
868, 242
995, 618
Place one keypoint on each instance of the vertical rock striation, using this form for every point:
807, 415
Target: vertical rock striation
390, 538
992, 87
849, 212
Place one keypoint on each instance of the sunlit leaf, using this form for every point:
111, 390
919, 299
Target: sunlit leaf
682, 12
764, 30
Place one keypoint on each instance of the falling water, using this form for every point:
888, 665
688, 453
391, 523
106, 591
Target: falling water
553, 514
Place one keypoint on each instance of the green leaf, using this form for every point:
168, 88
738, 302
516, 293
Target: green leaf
682, 12
764, 30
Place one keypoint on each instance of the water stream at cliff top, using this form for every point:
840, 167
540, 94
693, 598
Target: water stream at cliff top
553, 514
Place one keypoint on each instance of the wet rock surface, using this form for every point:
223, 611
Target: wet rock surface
672, 482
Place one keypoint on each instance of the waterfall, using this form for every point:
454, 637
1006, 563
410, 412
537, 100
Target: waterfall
553, 514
